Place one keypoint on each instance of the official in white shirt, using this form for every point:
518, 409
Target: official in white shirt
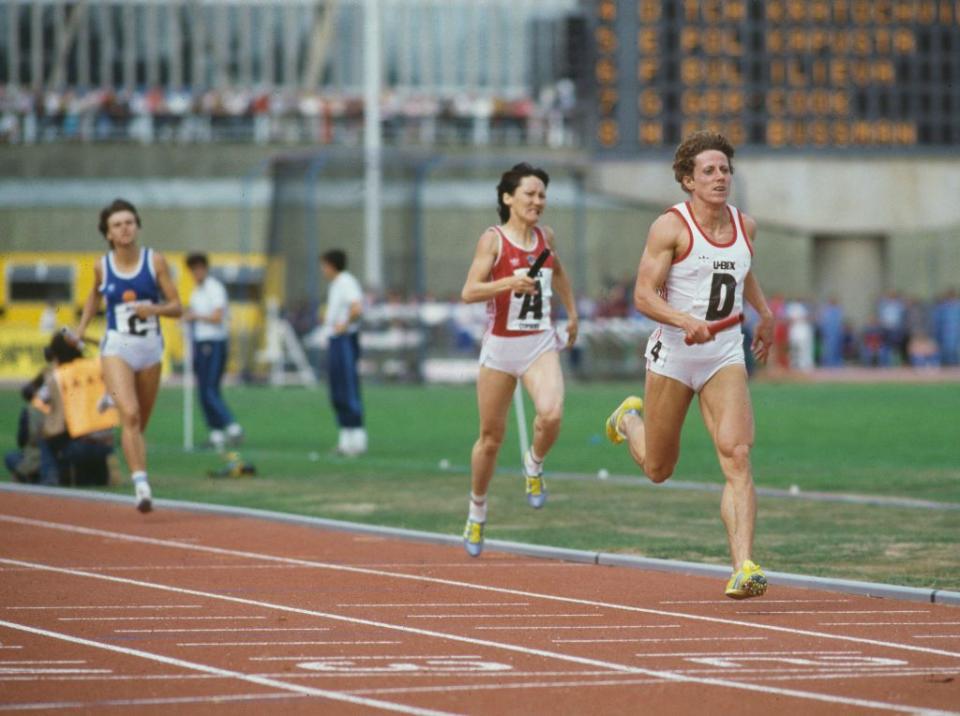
342, 324
209, 319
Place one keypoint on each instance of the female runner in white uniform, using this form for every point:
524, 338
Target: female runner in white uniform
138, 289
696, 269
521, 342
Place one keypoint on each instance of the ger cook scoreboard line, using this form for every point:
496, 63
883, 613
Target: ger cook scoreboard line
774, 73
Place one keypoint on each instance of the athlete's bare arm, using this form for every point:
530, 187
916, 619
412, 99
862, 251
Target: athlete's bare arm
478, 287
92, 303
763, 335
561, 283
171, 307
667, 239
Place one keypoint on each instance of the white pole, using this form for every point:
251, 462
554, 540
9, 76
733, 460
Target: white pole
519, 409
372, 143
187, 388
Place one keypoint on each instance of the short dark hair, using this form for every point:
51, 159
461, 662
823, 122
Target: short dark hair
336, 258
685, 157
61, 350
116, 206
510, 180
197, 259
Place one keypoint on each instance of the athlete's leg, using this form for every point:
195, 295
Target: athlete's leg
148, 385
121, 384
728, 415
654, 440
544, 382
494, 392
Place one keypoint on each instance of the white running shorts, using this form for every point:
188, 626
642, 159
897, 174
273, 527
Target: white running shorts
669, 356
139, 352
515, 355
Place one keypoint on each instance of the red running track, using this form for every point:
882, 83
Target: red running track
104, 609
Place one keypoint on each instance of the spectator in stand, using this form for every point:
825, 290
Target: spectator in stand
892, 314
831, 328
800, 336
946, 327
872, 347
780, 350
923, 351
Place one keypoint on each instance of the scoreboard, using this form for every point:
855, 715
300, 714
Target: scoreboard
773, 73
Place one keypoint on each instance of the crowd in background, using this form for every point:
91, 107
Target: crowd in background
287, 116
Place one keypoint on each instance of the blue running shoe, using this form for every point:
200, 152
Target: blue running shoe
473, 538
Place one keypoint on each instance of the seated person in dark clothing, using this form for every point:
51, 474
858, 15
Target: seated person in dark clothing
24, 462
71, 454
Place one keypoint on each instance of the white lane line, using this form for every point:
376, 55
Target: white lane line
371, 565
266, 643
217, 631
595, 626
474, 587
453, 688
145, 619
44, 661
767, 612
585, 683
721, 654
504, 616
227, 698
11, 647
33, 671
920, 624
524, 676
655, 641
217, 671
765, 601
276, 643
398, 656
408, 605
597, 663
309, 676
117, 606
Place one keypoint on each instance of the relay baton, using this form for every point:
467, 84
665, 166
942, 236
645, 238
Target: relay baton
536, 266
720, 325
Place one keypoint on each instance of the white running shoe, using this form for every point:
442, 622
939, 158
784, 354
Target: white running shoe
144, 496
235, 434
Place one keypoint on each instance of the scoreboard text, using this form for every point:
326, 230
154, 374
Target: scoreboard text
775, 73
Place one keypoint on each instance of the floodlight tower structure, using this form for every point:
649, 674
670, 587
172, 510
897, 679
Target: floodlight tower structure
372, 147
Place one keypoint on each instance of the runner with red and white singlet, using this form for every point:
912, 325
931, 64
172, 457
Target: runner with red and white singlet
521, 342
693, 279
521, 314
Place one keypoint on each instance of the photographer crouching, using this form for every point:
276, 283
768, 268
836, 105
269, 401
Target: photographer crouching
76, 434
